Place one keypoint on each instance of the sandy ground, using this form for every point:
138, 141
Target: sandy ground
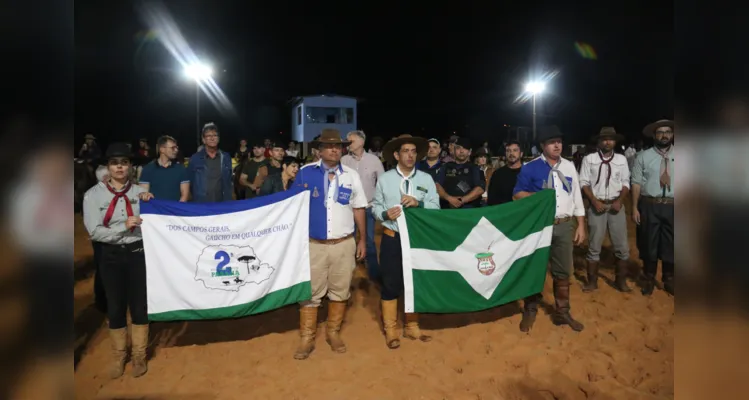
625, 352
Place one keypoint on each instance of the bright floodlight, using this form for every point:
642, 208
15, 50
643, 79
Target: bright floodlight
198, 72
535, 87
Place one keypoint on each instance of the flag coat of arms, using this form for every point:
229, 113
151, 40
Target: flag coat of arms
473, 259
226, 260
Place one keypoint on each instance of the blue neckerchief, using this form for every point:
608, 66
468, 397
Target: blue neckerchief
327, 182
560, 175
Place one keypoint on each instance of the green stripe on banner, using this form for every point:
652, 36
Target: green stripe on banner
294, 294
448, 291
445, 230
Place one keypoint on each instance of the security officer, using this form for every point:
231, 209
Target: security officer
461, 183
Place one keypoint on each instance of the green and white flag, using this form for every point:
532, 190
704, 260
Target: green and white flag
473, 259
228, 259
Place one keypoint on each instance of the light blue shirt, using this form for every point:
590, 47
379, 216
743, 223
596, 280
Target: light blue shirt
392, 185
647, 173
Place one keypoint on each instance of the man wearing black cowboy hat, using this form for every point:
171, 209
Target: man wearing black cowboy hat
604, 176
461, 183
552, 171
337, 202
403, 186
653, 205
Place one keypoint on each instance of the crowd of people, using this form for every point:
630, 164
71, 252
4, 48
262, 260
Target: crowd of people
351, 188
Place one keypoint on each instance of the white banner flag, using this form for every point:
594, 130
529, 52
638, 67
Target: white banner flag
226, 260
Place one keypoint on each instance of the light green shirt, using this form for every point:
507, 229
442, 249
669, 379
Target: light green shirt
392, 184
647, 173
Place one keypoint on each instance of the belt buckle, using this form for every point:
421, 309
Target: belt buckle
660, 200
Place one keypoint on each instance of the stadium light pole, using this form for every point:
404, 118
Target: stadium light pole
534, 88
198, 72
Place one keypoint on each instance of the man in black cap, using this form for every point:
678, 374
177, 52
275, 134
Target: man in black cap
552, 171
431, 164
461, 183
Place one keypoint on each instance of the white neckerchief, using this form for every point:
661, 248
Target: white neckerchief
405, 179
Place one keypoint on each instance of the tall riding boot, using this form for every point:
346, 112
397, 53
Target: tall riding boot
336, 310
592, 283
562, 299
530, 309
668, 277
621, 276
390, 322
412, 330
140, 345
649, 270
119, 351
307, 332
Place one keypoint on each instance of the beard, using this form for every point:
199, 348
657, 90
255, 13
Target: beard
661, 144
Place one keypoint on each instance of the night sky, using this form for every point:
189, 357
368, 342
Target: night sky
424, 69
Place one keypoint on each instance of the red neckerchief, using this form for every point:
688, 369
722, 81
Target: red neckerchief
113, 203
600, 167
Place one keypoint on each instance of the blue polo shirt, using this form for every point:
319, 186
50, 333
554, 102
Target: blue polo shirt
164, 182
433, 171
331, 214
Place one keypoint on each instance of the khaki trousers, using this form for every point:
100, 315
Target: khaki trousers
331, 269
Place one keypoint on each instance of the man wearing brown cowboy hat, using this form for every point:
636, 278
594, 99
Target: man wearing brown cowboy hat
653, 205
337, 201
604, 177
403, 186
552, 171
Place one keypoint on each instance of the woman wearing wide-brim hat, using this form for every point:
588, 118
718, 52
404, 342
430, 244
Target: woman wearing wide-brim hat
111, 214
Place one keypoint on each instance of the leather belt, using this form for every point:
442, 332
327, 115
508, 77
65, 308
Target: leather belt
659, 200
607, 202
389, 232
332, 241
558, 221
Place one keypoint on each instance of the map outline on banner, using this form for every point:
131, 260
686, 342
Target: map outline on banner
230, 267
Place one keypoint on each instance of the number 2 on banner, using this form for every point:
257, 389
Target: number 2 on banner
224, 257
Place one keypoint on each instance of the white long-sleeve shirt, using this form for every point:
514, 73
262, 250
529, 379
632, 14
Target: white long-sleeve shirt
619, 176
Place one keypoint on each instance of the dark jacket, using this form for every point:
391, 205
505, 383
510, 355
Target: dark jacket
196, 171
273, 184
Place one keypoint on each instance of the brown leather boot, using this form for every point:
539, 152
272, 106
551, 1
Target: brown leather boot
390, 322
138, 352
592, 283
119, 352
622, 268
562, 299
530, 310
412, 330
307, 332
336, 310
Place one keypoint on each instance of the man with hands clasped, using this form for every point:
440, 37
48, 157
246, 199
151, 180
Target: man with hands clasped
552, 171
403, 186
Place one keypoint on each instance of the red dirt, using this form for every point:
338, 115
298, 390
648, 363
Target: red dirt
625, 352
